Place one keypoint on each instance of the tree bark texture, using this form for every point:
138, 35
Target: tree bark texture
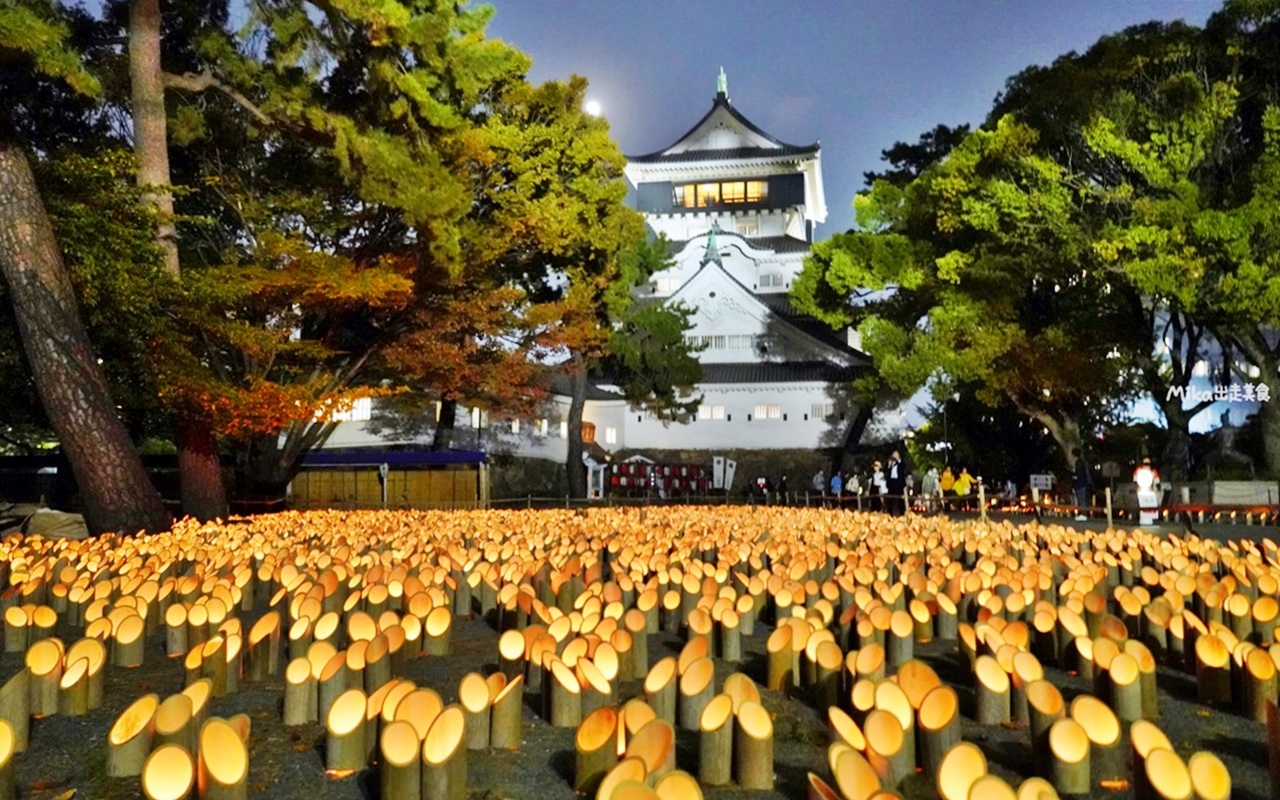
150, 126
445, 426
204, 493
117, 494
576, 473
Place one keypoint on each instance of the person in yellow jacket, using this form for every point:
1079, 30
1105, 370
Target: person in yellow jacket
946, 487
963, 485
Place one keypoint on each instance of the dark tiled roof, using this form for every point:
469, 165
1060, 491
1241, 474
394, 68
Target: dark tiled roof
778, 372
779, 303
561, 385
721, 101
778, 244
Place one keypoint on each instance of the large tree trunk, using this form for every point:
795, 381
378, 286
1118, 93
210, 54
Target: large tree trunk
852, 436
1270, 417
115, 489
204, 494
574, 469
445, 425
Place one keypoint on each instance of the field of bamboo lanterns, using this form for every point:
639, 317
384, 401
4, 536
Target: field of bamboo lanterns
669, 652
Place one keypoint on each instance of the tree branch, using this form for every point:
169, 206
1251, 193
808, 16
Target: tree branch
203, 81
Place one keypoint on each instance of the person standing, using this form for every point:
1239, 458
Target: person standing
820, 483
947, 487
929, 489
1081, 483
879, 487
962, 486
895, 484
835, 486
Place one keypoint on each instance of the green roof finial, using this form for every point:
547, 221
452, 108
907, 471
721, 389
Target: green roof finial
722, 84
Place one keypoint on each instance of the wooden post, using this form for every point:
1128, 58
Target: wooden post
753, 747
1107, 493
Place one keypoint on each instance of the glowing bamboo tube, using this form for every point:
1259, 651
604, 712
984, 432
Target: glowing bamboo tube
1126, 691
1259, 680
73, 689
1036, 788
885, 751
596, 689
1146, 677
175, 630
264, 648
44, 661
199, 692
939, 726
1069, 757
963, 765
697, 685
174, 724
1167, 775
828, 662
129, 740
437, 632
677, 785
992, 695
213, 664
991, 787
96, 653
1265, 611
1106, 756
1213, 671
637, 626
511, 648
595, 745
629, 771
345, 745
753, 747
300, 637
168, 773
899, 639
505, 721
16, 632
1026, 670
1210, 779
400, 768
444, 758
420, 708
334, 679
8, 744
818, 789
660, 689
15, 706
377, 663
780, 676
301, 703
473, 696
223, 762
1144, 737
655, 745
715, 741
729, 636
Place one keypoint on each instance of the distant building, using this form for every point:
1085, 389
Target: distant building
739, 207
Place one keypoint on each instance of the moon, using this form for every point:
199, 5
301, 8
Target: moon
592, 108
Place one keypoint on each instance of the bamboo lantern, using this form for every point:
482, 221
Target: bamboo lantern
1045, 706
129, 741
715, 741
505, 722
16, 633
437, 632
939, 725
223, 762
1026, 670
1210, 779
1106, 756
96, 653
1259, 683
635, 714
264, 648
1146, 677
1213, 671
175, 630
993, 704
473, 697
420, 708
696, 648
1036, 788
729, 634
300, 637
742, 689
1144, 737
780, 676
390, 697
168, 774
73, 689
301, 703
1126, 688
853, 775
400, 768
334, 679
753, 747
174, 724
199, 693
828, 663
628, 772
886, 750
565, 696
963, 765
597, 691
655, 745
345, 746
1069, 757
899, 639
213, 665
660, 689
8, 748
511, 650
992, 787
197, 626
444, 757
15, 707
1265, 610
377, 666
697, 685
677, 785
595, 744
1167, 775
44, 662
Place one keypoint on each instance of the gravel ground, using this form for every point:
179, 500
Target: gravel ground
68, 753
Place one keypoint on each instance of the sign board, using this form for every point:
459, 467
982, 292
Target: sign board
717, 472
1045, 481
730, 467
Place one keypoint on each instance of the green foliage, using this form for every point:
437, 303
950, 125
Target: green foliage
38, 30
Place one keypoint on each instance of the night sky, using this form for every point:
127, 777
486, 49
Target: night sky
858, 75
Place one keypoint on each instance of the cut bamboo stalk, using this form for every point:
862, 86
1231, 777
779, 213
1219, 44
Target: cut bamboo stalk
73, 689
595, 745
300, 698
222, 771
992, 696
173, 723
8, 745
899, 640
729, 636
697, 685
1146, 677
264, 648
1213, 671
677, 785
169, 773
637, 626
377, 663
96, 653
44, 662
741, 688
853, 775
444, 758
565, 707
715, 741
16, 632
655, 745
1259, 684
885, 751
1045, 706
420, 708
334, 679
400, 767
939, 726
818, 789
213, 665
129, 642
129, 740
473, 696
753, 747
1106, 755
199, 693
1026, 670
1167, 775
345, 745
597, 691
300, 637
963, 765
511, 648
15, 707
629, 771
1126, 689
505, 720
660, 689
780, 676
1069, 757
1144, 737
991, 787
1210, 779
437, 633
175, 630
